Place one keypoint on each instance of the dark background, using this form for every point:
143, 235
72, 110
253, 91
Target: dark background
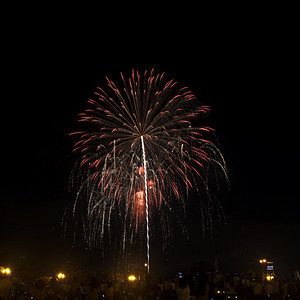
243, 67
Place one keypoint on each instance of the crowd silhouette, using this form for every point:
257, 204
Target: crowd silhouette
114, 286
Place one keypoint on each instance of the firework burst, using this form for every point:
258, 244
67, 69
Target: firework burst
142, 146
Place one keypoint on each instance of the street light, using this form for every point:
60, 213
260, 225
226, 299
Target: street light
61, 276
131, 278
5, 271
262, 261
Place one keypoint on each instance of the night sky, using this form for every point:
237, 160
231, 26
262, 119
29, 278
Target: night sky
244, 72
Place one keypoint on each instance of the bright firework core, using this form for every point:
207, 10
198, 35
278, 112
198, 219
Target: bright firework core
142, 146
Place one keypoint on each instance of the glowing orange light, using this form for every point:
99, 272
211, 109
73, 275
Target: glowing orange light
61, 275
131, 278
150, 184
140, 198
5, 271
139, 195
141, 171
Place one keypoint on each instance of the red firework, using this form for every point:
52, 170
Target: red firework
178, 148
